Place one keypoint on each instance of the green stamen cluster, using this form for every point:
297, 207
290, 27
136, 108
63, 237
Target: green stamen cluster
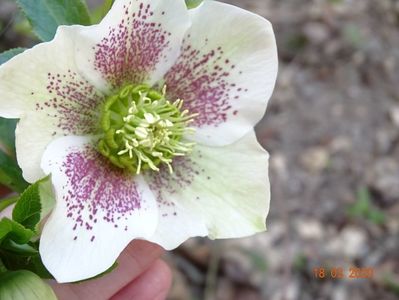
142, 129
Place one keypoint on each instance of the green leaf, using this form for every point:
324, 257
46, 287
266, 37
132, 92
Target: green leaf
10, 173
47, 197
27, 209
99, 13
46, 15
7, 55
193, 3
34, 204
14, 231
24, 249
24, 285
14, 261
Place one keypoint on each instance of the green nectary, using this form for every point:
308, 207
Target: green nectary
142, 129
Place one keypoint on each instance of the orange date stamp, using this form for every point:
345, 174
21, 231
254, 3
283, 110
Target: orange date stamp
343, 273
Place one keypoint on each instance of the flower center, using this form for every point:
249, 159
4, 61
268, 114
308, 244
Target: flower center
142, 129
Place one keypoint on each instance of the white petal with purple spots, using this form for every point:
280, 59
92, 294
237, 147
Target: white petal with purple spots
43, 87
136, 42
99, 210
226, 72
222, 192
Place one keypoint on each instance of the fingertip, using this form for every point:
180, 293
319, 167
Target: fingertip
138, 248
154, 284
138, 257
166, 273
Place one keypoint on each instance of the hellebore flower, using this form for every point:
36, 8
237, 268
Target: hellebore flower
145, 123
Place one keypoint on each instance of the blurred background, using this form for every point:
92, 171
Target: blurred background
332, 129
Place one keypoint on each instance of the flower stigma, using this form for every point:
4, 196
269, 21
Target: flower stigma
142, 129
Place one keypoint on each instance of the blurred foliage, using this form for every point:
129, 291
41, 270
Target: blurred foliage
391, 284
193, 3
100, 11
24, 28
257, 259
353, 36
300, 262
5, 56
46, 15
4, 203
364, 208
10, 172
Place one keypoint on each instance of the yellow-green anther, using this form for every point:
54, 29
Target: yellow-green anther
133, 109
150, 118
141, 132
146, 143
142, 129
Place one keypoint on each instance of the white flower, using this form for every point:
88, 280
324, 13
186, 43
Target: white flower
110, 110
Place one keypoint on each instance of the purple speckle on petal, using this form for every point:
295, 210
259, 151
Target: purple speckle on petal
72, 102
132, 49
97, 189
185, 170
202, 79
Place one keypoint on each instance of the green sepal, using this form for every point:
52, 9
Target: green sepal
46, 15
34, 204
24, 285
193, 3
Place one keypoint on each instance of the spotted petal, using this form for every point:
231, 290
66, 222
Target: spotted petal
43, 87
99, 210
226, 72
136, 42
222, 192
